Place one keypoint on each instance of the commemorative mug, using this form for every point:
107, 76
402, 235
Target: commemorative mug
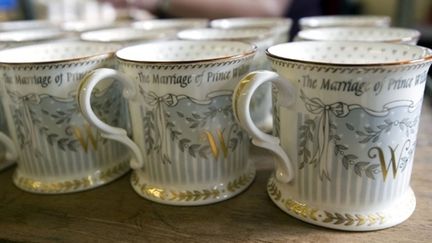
12, 38
344, 20
367, 34
278, 25
262, 38
170, 23
126, 35
59, 152
345, 130
187, 147
25, 25
15, 38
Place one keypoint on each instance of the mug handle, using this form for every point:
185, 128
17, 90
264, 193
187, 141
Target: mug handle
241, 101
85, 89
11, 152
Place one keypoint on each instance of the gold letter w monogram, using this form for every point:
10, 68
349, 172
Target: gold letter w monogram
384, 167
85, 137
213, 146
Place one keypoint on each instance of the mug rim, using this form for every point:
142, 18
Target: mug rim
252, 50
413, 33
316, 21
242, 22
265, 33
169, 23
425, 58
141, 34
26, 35
15, 25
59, 60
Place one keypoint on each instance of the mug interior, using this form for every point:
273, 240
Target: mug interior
349, 53
170, 23
241, 22
360, 34
224, 34
54, 52
30, 35
85, 25
25, 25
344, 20
185, 51
123, 34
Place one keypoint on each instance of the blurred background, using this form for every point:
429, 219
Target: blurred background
404, 13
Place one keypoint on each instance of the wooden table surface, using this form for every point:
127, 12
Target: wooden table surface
115, 213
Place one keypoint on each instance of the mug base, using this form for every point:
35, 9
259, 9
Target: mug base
192, 195
348, 221
86, 182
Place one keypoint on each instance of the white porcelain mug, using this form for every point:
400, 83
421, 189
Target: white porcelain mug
171, 23
346, 126
263, 38
187, 146
279, 26
366, 34
127, 35
59, 151
344, 20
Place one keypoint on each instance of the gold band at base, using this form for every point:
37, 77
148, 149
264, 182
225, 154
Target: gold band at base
73, 185
193, 196
350, 221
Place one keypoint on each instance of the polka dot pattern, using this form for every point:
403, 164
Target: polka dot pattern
184, 51
125, 35
224, 34
184, 23
56, 51
30, 35
370, 34
344, 20
355, 53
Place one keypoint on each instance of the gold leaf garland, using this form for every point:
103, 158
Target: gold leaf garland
238, 183
189, 195
310, 213
71, 185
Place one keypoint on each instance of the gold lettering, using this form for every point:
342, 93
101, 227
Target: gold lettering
85, 137
384, 167
213, 145
222, 143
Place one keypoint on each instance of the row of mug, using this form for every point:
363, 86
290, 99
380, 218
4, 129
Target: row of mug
257, 29
150, 24
347, 118
38, 30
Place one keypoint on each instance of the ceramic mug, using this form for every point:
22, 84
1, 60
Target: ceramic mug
25, 25
346, 126
126, 35
368, 34
261, 107
174, 23
79, 26
59, 151
279, 26
187, 146
344, 20
16, 38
